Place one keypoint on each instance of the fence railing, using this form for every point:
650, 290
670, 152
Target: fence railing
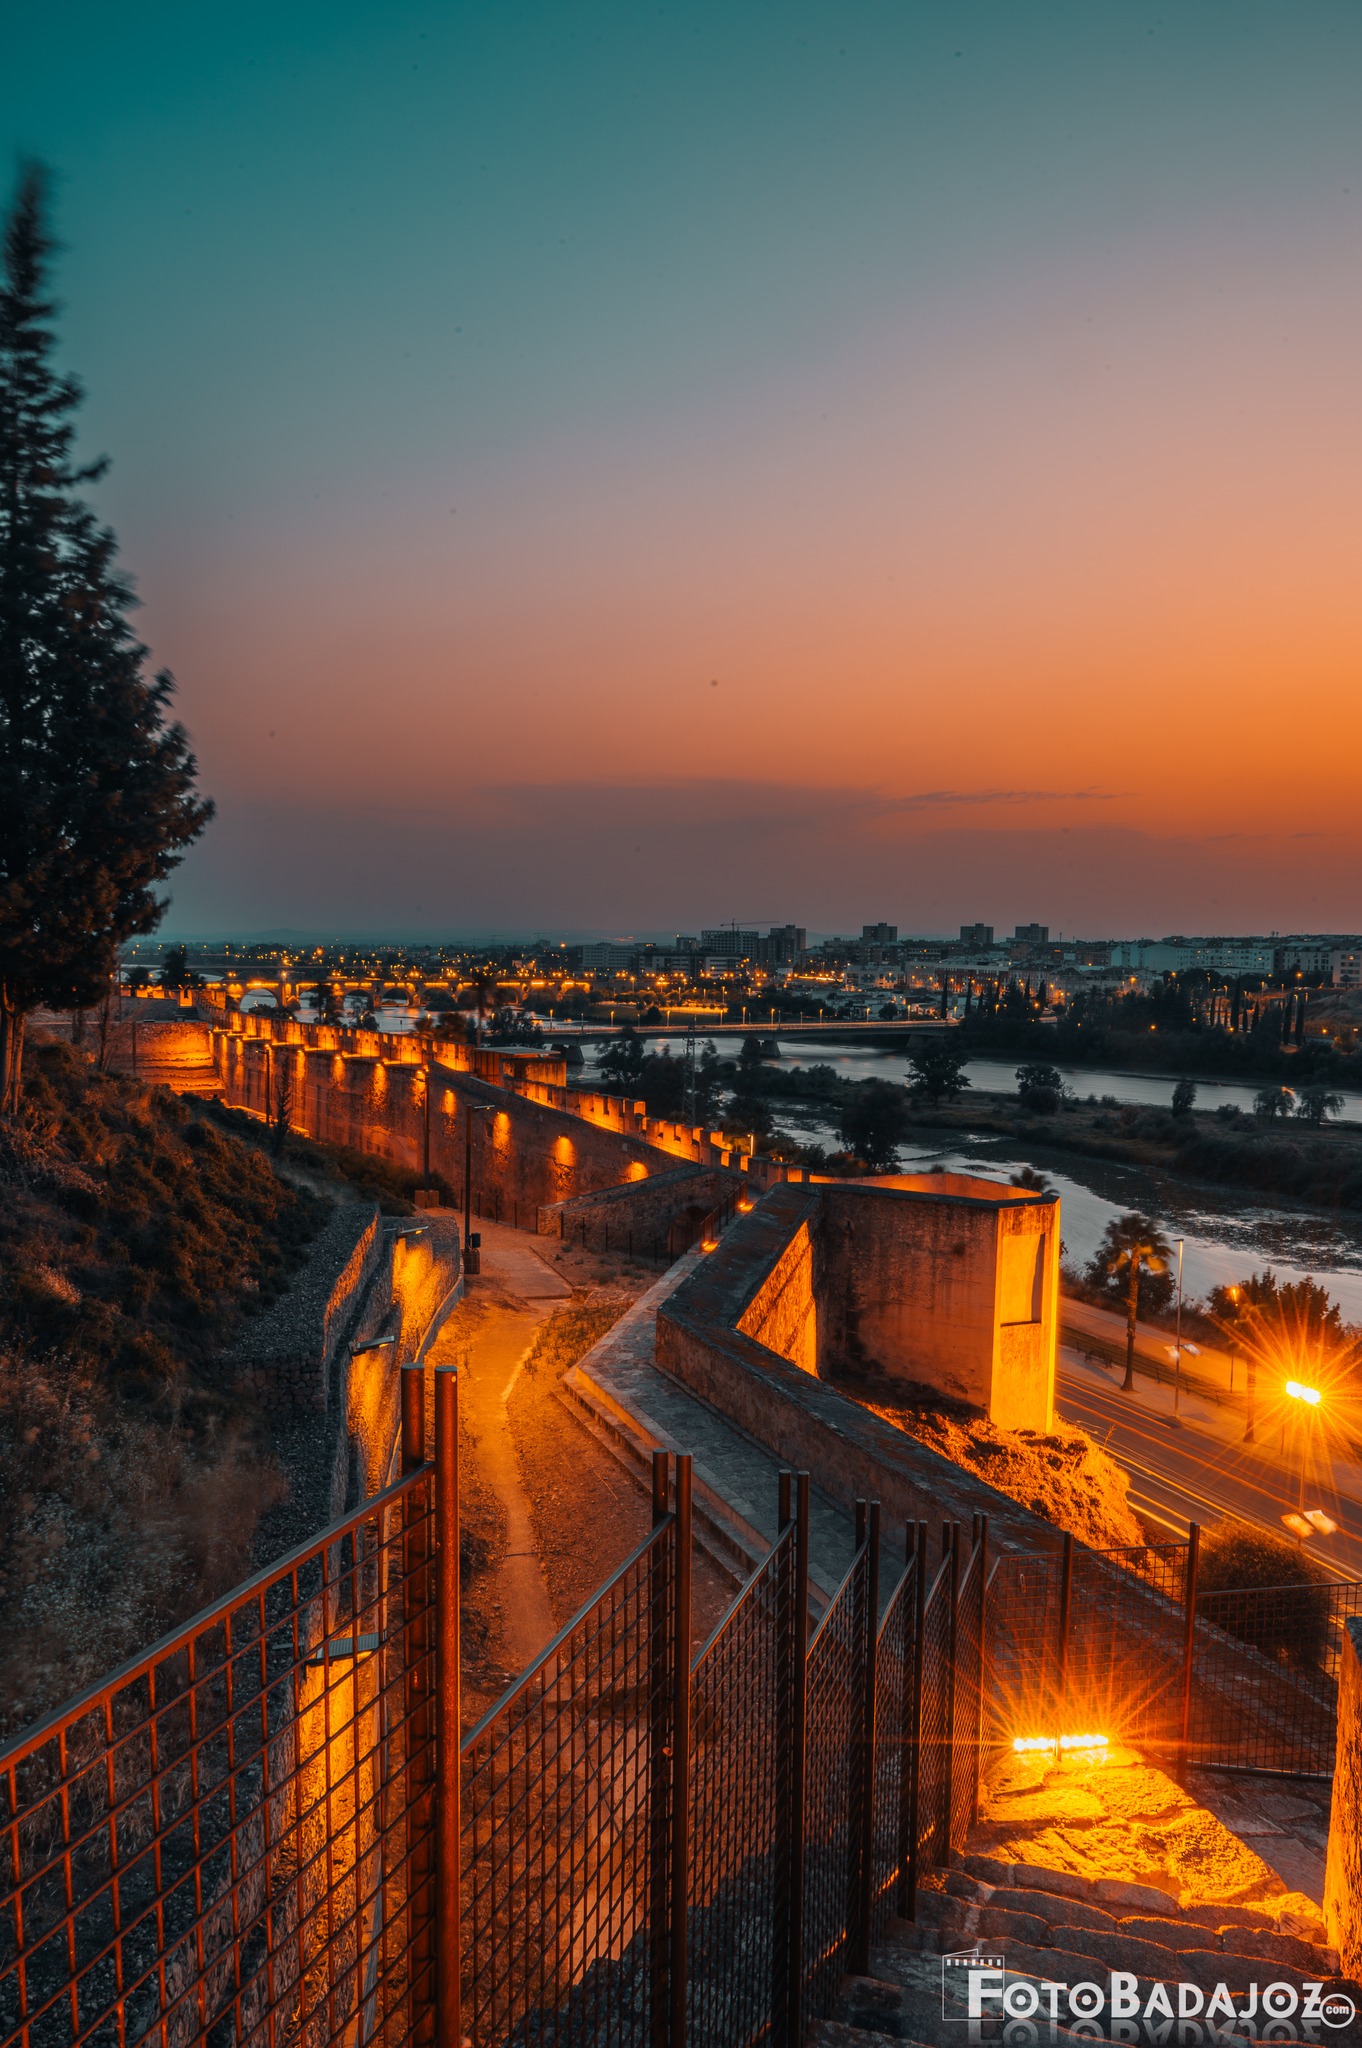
1266, 1665
233, 1837
269, 1830
1089, 1641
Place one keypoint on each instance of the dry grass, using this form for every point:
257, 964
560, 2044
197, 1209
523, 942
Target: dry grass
132, 1243
1063, 1476
570, 1333
113, 1528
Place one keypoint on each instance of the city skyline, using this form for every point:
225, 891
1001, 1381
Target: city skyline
595, 469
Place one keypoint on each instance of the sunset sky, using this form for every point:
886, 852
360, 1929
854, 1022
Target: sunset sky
617, 467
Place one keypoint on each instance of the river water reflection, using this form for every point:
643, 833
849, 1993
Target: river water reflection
1227, 1236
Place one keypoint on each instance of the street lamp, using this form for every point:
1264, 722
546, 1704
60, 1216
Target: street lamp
1309, 1397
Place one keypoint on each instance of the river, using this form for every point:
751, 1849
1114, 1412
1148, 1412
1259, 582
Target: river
1227, 1236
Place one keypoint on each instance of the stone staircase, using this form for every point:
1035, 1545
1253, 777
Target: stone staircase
1053, 1926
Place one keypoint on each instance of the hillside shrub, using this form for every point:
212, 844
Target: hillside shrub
1292, 1627
134, 1239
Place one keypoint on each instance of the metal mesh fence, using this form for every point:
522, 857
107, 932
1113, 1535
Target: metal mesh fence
1265, 1677
932, 1821
234, 1839
835, 1761
893, 1789
967, 1701
567, 1825
1084, 1641
1123, 1673
229, 1840
738, 1942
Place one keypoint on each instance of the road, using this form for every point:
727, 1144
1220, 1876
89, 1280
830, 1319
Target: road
1182, 1475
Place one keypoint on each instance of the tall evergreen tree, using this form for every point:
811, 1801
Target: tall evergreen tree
97, 786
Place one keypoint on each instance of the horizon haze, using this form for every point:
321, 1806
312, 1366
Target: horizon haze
607, 470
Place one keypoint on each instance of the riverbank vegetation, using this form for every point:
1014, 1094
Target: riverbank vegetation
134, 1240
1190, 1023
1300, 1156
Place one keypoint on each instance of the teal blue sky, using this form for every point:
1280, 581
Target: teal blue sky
660, 419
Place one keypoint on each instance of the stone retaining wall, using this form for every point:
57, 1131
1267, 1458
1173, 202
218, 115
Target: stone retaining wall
284, 1357
158, 1044
1343, 1871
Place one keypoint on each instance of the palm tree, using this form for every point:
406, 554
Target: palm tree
1133, 1242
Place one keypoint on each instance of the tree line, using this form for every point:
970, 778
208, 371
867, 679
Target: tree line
98, 785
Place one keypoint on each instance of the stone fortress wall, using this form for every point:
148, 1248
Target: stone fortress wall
920, 1284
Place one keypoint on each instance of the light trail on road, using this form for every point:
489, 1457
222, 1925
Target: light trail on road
1181, 1475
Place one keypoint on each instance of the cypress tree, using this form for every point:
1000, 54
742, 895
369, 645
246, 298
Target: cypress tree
97, 787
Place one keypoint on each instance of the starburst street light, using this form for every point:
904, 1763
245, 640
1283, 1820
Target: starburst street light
1310, 1398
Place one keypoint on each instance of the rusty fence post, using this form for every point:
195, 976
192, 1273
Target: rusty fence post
910, 1729
1066, 1594
413, 1417
659, 1750
448, 1732
799, 1732
981, 1664
419, 1744
783, 1745
865, 1900
680, 1800
1188, 1648
950, 1544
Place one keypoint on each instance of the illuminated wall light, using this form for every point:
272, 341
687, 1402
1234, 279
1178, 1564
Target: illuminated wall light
1026, 1744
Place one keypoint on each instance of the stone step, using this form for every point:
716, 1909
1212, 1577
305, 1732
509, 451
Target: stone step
970, 1910
1113, 1893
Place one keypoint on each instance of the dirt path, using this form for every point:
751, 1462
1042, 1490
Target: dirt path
487, 1337
489, 1369
547, 1513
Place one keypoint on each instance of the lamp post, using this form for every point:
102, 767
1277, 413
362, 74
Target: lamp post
1250, 1376
473, 1109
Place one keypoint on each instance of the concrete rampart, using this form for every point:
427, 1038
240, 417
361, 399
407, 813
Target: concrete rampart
949, 1281
417, 1282
909, 1285
807, 1424
783, 1312
645, 1214
529, 1150
386, 1304
334, 1091
156, 1043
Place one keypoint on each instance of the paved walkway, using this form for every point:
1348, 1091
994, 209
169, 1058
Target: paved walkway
736, 1479
520, 1291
